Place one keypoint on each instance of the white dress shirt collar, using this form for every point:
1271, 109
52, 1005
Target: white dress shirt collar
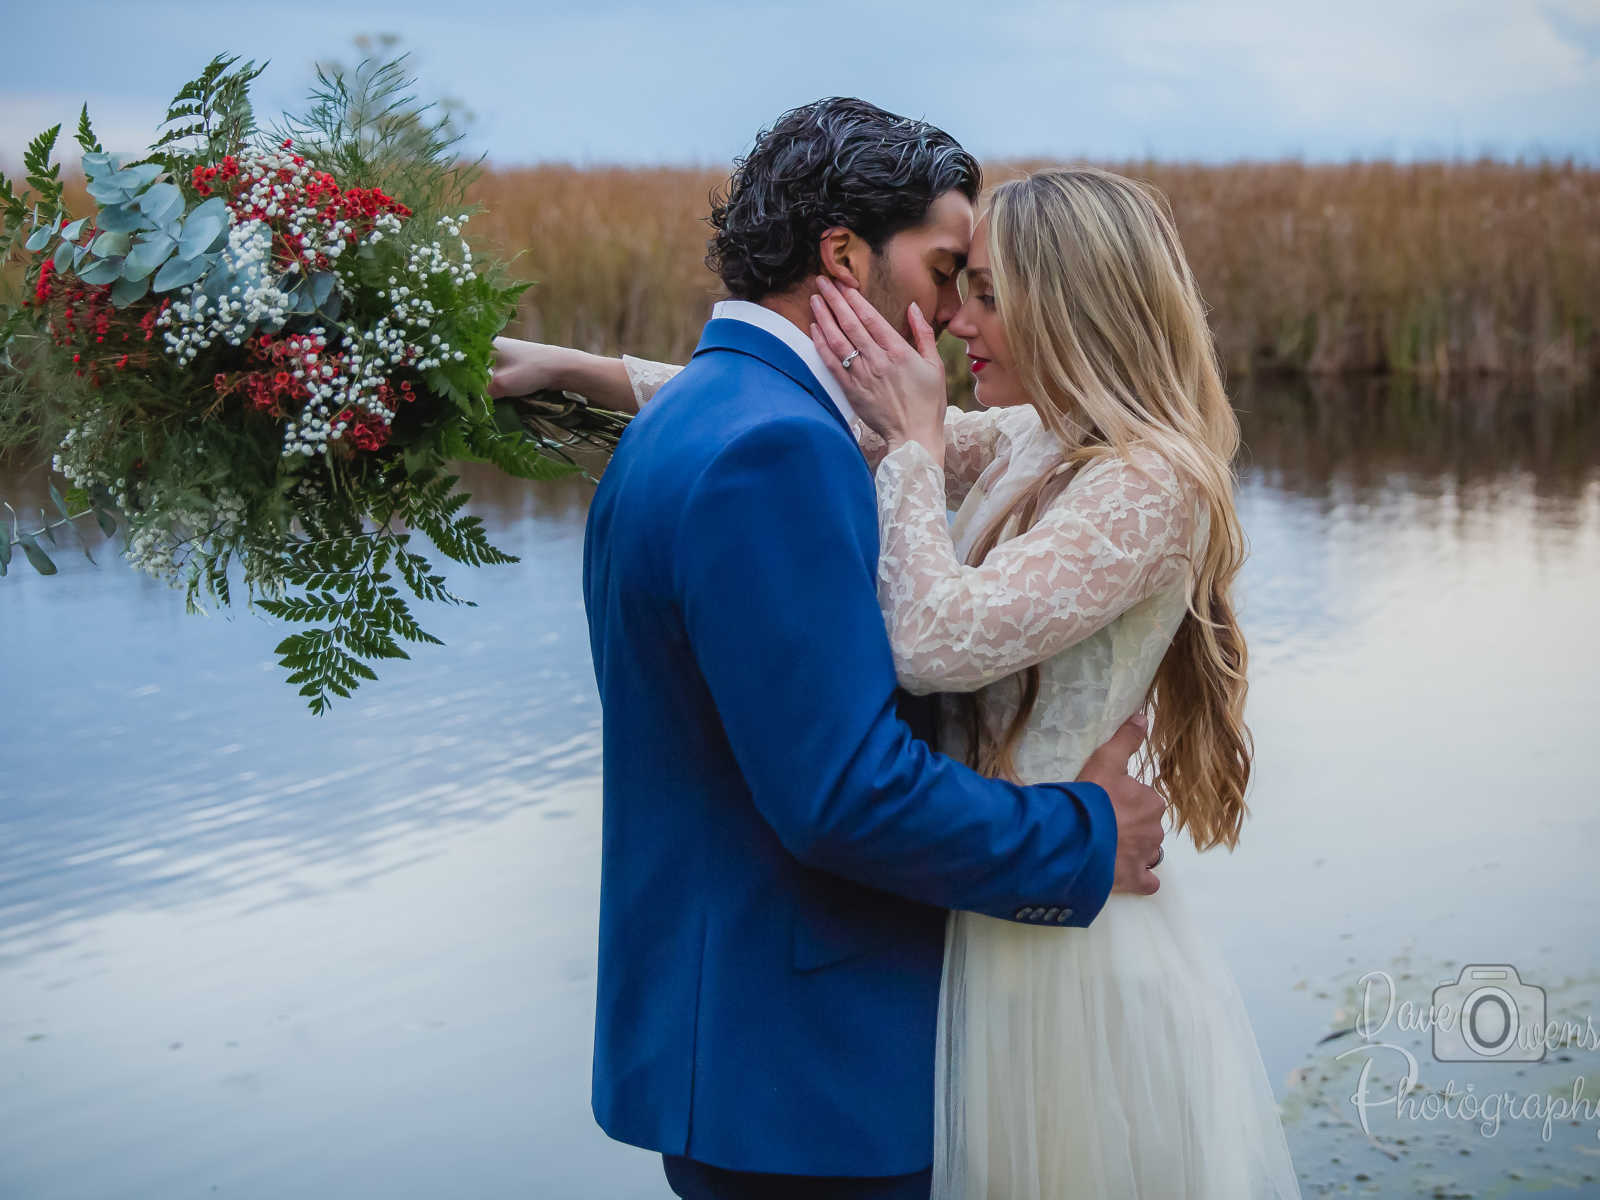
789, 334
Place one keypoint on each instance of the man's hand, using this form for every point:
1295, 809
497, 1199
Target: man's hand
1139, 809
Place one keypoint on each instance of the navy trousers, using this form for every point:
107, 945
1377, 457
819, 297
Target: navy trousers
697, 1181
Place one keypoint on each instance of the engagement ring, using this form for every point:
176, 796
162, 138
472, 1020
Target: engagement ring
850, 358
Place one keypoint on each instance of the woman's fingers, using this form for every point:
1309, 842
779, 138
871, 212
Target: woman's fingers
834, 345
840, 307
927, 341
505, 351
830, 357
880, 331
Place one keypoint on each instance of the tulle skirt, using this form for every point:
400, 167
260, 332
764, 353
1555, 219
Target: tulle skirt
1115, 1061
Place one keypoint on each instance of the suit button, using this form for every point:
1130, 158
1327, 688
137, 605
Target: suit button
1062, 919
1024, 914
1049, 914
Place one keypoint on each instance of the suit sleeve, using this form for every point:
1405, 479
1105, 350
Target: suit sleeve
774, 566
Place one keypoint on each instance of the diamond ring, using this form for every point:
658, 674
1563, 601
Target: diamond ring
849, 358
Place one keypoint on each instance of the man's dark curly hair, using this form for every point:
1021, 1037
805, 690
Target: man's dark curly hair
834, 162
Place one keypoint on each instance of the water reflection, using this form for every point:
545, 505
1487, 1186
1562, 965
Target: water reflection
370, 936
1419, 608
1321, 436
156, 758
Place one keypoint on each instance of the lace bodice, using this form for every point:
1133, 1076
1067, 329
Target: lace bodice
1093, 593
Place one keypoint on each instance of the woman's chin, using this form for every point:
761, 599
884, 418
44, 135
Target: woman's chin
989, 397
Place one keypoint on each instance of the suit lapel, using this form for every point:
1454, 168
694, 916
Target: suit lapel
723, 333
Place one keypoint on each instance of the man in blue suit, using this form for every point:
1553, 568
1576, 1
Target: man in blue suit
779, 849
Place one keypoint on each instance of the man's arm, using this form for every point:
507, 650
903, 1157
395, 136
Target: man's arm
775, 569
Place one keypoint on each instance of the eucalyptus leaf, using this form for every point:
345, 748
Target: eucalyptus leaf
40, 560
218, 281
101, 271
106, 191
83, 544
63, 258
107, 522
55, 498
179, 272
137, 177
161, 203
147, 254
125, 291
40, 238
203, 226
121, 218
108, 245
5, 552
321, 286
72, 231
97, 163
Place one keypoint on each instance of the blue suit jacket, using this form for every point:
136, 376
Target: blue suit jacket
778, 849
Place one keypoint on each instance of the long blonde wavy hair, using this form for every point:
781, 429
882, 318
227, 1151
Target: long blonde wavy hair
1108, 335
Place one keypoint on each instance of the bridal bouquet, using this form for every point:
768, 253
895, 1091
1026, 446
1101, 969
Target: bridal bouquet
263, 349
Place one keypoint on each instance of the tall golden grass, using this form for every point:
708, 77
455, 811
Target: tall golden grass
1428, 269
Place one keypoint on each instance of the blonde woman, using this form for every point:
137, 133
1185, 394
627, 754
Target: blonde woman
1086, 575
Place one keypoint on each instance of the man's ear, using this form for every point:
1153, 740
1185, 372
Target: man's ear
845, 257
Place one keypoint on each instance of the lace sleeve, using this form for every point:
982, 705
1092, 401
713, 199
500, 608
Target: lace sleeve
971, 442
1116, 535
873, 447
646, 376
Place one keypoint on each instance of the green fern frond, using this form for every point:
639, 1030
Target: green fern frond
86, 138
43, 176
220, 98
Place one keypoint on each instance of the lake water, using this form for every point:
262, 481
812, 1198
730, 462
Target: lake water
245, 952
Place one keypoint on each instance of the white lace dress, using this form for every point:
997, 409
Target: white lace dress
1114, 1061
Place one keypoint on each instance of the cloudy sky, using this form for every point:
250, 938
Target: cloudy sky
607, 81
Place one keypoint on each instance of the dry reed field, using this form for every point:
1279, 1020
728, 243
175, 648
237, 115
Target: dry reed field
1427, 269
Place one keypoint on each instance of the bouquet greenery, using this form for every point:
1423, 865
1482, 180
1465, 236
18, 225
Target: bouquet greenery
263, 349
